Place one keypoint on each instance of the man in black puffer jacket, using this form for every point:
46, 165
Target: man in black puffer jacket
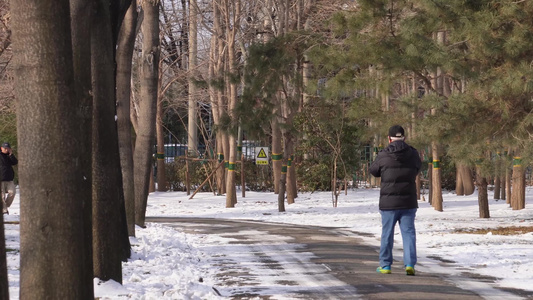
7, 174
397, 165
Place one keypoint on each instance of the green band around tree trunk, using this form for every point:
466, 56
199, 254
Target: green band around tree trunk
517, 161
220, 157
284, 169
277, 156
436, 164
231, 166
160, 155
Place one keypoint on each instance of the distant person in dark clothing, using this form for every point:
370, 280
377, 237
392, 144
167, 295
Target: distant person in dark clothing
397, 165
7, 161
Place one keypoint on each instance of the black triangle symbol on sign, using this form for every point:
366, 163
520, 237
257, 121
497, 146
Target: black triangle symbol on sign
262, 154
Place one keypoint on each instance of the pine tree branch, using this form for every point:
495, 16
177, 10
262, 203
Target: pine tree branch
425, 79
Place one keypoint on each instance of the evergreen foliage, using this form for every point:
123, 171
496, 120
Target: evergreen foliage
326, 133
485, 105
268, 65
8, 128
328, 136
376, 65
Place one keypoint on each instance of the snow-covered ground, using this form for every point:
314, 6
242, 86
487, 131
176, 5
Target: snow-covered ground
169, 264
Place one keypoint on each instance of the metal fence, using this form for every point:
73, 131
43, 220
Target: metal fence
172, 151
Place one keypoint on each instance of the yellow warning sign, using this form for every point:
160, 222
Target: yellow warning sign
262, 154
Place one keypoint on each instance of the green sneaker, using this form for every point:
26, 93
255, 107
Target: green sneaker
410, 270
384, 270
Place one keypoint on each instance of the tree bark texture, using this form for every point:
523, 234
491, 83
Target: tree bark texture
518, 196
497, 187
503, 188
216, 68
231, 192
231, 32
147, 108
162, 183
193, 103
467, 180
80, 20
277, 154
437, 173
508, 185
430, 183
459, 188
483, 198
291, 180
282, 185
289, 149
108, 197
126, 42
436, 186
221, 172
52, 182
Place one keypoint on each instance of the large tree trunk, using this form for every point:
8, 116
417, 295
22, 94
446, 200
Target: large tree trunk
467, 180
283, 178
459, 188
52, 183
231, 31
216, 67
126, 42
292, 191
225, 146
193, 103
290, 178
508, 186
437, 175
497, 187
430, 183
483, 198
503, 182
282, 185
277, 154
147, 108
290, 109
80, 20
518, 196
436, 185
221, 172
216, 100
108, 196
231, 192
162, 183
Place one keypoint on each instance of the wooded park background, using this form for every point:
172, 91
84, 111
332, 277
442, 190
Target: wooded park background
92, 91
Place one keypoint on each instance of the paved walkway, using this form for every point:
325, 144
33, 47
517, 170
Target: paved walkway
279, 261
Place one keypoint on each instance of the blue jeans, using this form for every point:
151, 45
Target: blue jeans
406, 219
